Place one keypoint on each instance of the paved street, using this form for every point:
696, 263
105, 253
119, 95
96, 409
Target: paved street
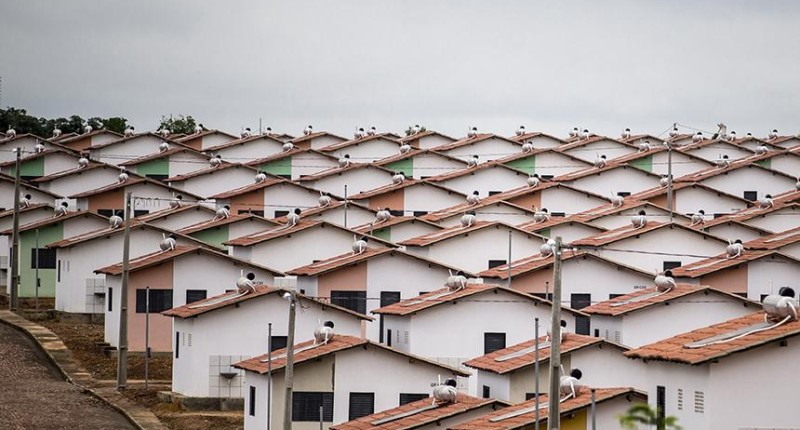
34, 396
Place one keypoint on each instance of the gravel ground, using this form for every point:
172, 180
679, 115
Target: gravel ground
34, 396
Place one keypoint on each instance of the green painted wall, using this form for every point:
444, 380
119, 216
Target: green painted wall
33, 167
527, 164
545, 232
154, 167
383, 233
765, 163
214, 236
406, 166
282, 167
27, 241
644, 163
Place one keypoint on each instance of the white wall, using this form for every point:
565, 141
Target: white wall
691, 200
556, 164
250, 150
357, 181
426, 165
750, 179
777, 221
732, 232
369, 151
489, 243
768, 274
215, 182
486, 150
681, 164
500, 212
286, 197
211, 336
302, 248
786, 163
128, 150
428, 198
715, 151
623, 179
688, 379
310, 163
569, 201
82, 181
486, 180
609, 148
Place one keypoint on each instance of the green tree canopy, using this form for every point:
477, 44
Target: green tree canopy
22, 123
643, 414
178, 125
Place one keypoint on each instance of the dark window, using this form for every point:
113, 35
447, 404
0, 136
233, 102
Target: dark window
545, 296
717, 215
580, 301
546, 177
387, 298
258, 213
492, 193
353, 300
420, 213
423, 292
361, 405
623, 193
493, 341
110, 299
177, 344
140, 212
668, 265
389, 337
47, 258
741, 295
160, 300
305, 406
252, 405
411, 397
285, 176
106, 212
597, 332
558, 214
157, 177
193, 296
397, 212
495, 263
762, 298
278, 214
751, 195
28, 178
661, 395
614, 296
529, 396
278, 342
59, 271
487, 392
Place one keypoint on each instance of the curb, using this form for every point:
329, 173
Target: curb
79, 377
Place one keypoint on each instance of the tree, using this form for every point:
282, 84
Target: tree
643, 414
410, 130
178, 125
21, 122
115, 123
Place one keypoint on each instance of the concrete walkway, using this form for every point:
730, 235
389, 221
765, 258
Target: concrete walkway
61, 358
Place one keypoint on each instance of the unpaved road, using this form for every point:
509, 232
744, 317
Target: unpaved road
34, 396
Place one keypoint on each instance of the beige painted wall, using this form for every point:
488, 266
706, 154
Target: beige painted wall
157, 277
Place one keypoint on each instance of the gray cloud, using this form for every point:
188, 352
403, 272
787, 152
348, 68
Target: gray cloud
446, 64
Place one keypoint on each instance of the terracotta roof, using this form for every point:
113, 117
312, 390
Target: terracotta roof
244, 140
343, 260
447, 233
210, 171
317, 210
424, 134
77, 170
273, 233
204, 133
365, 139
537, 262
707, 142
315, 135
555, 221
339, 343
411, 415
54, 220
417, 152
635, 138
295, 151
159, 155
743, 163
780, 139
630, 231
610, 165
532, 134
248, 188
523, 354
751, 212
776, 240
384, 189
444, 295
106, 231
577, 142
632, 302
135, 136
471, 140
134, 181
163, 213
525, 420
338, 261
658, 191
394, 220
218, 302
204, 225
42, 154
465, 207
674, 349
339, 170
159, 257
471, 170
32, 207
75, 137
721, 262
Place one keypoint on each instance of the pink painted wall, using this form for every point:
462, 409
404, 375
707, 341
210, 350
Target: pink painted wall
353, 278
156, 277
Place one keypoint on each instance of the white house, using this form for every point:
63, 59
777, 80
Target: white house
427, 139
38, 195
421, 163
336, 212
340, 376
710, 381
366, 149
86, 140
206, 139
124, 149
398, 228
639, 318
203, 345
175, 161
271, 198
415, 325
316, 140
214, 180
745, 179
486, 146
547, 163
348, 180
487, 178
613, 178
147, 196
510, 373
409, 197
295, 163
45, 163
487, 242
589, 149
491, 208
363, 282
247, 149
690, 197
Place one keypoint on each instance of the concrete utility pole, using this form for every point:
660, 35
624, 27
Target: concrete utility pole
289, 370
269, 374
669, 176
509, 259
536, 371
554, 416
122, 356
13, 300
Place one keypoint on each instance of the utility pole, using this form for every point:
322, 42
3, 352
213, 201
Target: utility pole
269, 374
345, 206
122, 356
669, 176
536, 371
36, 273
554, 416
509, 259
146, 336
289, 371
13, 300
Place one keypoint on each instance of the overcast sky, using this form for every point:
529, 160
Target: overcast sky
447, 65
